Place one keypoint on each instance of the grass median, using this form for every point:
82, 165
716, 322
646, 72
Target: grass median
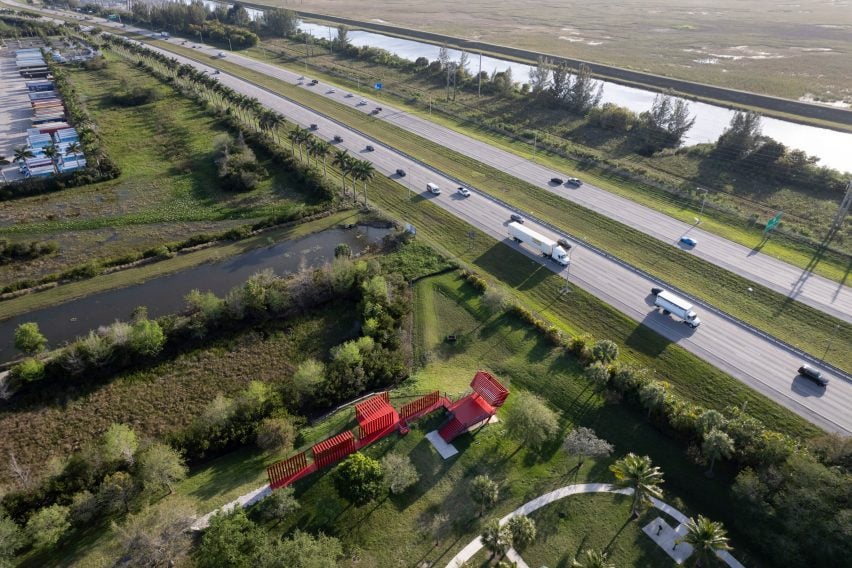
802, 326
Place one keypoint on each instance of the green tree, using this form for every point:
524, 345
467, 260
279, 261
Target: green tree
147, 337
598, 374
706, 537
653, 396
308, 376
637, 473
47, 526
276, 434
159, 535
280, 22
279, 504
342, 39
709, 420
496, 539
302, 550
592, 559
523, 531
359, 479
11, 540
583, 443
530, 420
342, 250
716, 445
161, 466
400, 473
495, 300
230, 541
29, 339
484, 492
605, 351
117, 491
119, 444
741, 138
28, 370
84, 508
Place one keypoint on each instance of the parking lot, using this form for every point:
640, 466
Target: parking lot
15, 110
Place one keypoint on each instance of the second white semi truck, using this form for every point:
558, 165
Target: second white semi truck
671, 304
545, 246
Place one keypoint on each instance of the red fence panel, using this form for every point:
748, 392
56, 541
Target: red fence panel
417, 406
280, 472
489, 388
333, 449
378, 422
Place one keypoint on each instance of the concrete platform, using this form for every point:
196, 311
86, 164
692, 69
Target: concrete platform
446, 450
666, 537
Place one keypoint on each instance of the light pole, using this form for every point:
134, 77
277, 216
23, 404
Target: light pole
703, 200
830, 341
479, 91
230, 47
535, 143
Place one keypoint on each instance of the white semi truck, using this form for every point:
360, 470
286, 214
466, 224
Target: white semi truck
671, 304
545, 246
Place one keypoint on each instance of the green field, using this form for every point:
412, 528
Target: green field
766, 310
168, 189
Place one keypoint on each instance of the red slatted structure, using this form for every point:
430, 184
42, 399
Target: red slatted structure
486, 386
487, 396
423, 405
333, 449
284, 472
376, 418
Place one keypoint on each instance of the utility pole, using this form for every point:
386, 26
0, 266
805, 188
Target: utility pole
306, 54
842, 211
828, 346
535, 143
703, 200
479, 75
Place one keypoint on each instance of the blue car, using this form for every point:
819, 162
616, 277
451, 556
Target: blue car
688, 241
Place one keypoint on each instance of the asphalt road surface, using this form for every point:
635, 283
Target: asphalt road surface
760, 362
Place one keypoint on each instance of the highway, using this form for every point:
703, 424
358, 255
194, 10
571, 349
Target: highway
760, 362
813, 290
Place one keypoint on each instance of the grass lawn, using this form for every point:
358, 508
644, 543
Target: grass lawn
168, 189
767, 310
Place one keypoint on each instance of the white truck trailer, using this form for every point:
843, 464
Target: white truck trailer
672, 304
545, 246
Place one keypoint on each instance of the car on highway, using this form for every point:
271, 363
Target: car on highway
564, 244
328, 92
314, 81
812, 374
464, 192
348, 95
314, 127
221, 54
688, 241
433, 188
338, 138
575, 182
362, 102
370, 148
557, 181
656, 291
400, 172
516, 218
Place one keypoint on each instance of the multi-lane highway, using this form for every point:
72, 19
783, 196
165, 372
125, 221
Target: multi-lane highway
763, 364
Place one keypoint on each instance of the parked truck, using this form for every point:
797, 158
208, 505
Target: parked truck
545, 246
672, 304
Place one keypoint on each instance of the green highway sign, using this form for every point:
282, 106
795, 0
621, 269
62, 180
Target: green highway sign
772, 223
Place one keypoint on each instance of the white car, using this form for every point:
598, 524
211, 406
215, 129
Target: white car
222, 54
464, 192
331, 91
362, 102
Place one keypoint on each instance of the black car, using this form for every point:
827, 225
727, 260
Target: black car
564, 244
810, 373
338, 138
557, 181
400, 172
315, 81
369, 149
516, 218
314, 127
656, 291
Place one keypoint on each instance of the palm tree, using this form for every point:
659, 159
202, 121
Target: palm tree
717, 444
343, 161
654, 395
592, 559
323, 150
73, 148
638, 473
22, 154
496, 539
51, 151
706, 537
363, 170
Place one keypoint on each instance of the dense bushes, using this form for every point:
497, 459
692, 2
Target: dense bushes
14, 252
238, 168
134, 96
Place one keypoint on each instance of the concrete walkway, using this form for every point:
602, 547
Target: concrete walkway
244, 501
680, 551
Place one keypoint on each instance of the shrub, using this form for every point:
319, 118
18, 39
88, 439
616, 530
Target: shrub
400, 473
28, 370
29, 339
147, 338
496, 300
48, 525
359, 479
276, 434
605, 351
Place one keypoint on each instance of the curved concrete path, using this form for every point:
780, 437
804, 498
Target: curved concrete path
471, 549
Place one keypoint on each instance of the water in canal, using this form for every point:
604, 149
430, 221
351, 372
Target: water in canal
165, 294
